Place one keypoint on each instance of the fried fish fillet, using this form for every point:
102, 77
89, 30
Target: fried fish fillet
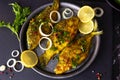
32, 34
74, 54
64, 32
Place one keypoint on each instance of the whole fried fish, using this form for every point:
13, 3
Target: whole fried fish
64, 32
33, 35
72, 55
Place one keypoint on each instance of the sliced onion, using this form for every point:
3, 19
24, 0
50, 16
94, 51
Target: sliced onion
58, 14
67, 13
96, 9
49, 44
18, 70
15, 53
13, 62
42, 33
2, 68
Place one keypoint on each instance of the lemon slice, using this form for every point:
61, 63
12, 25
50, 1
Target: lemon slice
86, 13
29, 58
86, 28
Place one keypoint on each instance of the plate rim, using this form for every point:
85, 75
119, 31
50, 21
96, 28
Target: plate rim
113, 5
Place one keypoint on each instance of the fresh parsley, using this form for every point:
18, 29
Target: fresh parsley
21, 14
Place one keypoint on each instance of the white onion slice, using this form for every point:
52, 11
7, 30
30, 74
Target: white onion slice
49, 44
2, 68
67, 13
18, 70
15, 53
13, 62
58, 14
96, 9
42, 33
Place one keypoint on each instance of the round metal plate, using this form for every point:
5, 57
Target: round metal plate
48, 72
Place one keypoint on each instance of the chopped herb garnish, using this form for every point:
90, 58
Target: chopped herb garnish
55, 30
42, 65
83, 45
61, 40
74, 64
54, 48
77, 56
83, 42
65, 33
83, 48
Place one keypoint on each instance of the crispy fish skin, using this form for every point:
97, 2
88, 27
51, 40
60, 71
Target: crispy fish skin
73, 55
64, 32
33, 35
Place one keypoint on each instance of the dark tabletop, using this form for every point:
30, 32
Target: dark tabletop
103, 62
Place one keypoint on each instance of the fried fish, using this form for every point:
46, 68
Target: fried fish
64, 32
33, 35
74, 54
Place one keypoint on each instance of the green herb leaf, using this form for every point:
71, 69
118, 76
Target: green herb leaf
74, 64
65, 33
20, 17
83, 48
54, 48
117, 1
77, 56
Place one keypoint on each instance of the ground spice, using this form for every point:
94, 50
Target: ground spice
98, 75
8, 71
1, 73
11, 75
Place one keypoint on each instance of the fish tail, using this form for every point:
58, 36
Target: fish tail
97, 33
56, 4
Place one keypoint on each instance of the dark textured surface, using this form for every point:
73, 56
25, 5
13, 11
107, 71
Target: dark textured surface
102, 63
116, 46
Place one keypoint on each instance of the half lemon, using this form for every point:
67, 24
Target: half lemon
29, 58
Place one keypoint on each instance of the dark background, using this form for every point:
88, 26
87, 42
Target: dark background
103, 62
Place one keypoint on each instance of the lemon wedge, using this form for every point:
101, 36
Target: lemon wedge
86, 28
29, 58
86, 13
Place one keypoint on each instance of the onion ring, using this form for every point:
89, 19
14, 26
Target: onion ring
67, 13
46, 39
42, 33
13, 64
2, 68
59, 17
100, 10
15, 53
14, 68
